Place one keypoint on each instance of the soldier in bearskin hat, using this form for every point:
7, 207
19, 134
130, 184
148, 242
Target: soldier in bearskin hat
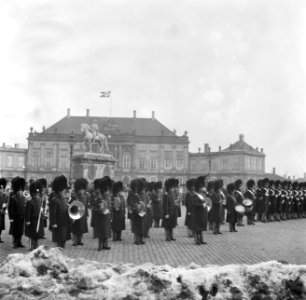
260, 199
103, 217
216, 209
145, 198
118, 210
16, 210
210, 190
169, 209
278, 199
33, 212
284, 200
45, 204
177, 197
231, 204
289, 201
239, 198
80, 226
156, 198
271, 201
250, 194
58, 214
95, 195
3, 204
188, 203
199, 211
300, 200
295, 200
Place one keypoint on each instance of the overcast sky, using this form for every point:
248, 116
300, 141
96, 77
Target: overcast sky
213, 68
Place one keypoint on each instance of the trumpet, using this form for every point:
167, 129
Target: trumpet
141, 208
104, 207
26, 194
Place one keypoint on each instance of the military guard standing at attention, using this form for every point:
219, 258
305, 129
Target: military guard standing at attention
231, 204
169, 209
45, 205
33, 215
102, 210
250, 194
278, 200
289, 200
3, 204
271, 201
58, 212
177, 198
304, 199
284, 201
260, 199
95, 194
210, 190
188, 203
144, 196
118, 211
80, 226
239, 198
216, 209
157, 195
295, 201
199, 210
16, 210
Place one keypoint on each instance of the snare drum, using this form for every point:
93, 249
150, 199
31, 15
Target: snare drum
240, 209
248, 204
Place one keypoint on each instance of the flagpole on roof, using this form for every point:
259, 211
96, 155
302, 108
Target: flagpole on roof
107, 94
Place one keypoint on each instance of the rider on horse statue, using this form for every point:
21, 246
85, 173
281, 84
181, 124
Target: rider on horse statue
95, 130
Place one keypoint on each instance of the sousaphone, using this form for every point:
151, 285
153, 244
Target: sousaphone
76, 210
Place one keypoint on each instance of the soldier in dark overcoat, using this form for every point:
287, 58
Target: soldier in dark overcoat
239, 198
169, 209
284, 200
45, 205
177, 198
266, 195
16, 210
295, 201
3, 204
250, 194
217, 206
289, 201
58, 212
199, 214
231, 203
156, 198
210, 190
103, 217
80, 226
260, 200
33, 213
188, 203
271, 201
95, 194
118, 210
145, 197
278, 199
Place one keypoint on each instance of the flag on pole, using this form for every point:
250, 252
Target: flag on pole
105, 94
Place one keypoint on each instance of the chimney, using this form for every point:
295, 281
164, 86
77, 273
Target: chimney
209, 149
185, 132
256, 148
68, 113
3, 145
174, 131
273, 171
293, 177
153, 115
199, 149
43, 128
219, 148
241, 137
134, 114
16, 145
289, 177
206, 146
87, 112
261, 150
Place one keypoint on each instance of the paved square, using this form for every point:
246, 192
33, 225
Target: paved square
284, 241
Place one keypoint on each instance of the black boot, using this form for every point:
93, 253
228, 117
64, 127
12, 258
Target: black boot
100, 245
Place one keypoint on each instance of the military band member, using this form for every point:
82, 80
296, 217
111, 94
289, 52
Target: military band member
80, 226
33, 212
157, 203
118, 211
278, 201
144, 196
290, 200
3, 204
188, 203
304, 199
177, 198
210, 190
102, 210
16, 210
58, 212
231, 204
300, 200
284, 201
95, 194
271, 201
169, 209
250, 194
45, 205
217, 205
239, 198
199, 215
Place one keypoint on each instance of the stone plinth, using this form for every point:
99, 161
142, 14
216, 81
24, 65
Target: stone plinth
92, 165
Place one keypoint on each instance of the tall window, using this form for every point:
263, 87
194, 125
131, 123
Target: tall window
179, 159
48, 159
193, 165
35, 159
153, 164
9, 161
63, 162
142, 163
168, 160
153, 178
20, 162
126, 161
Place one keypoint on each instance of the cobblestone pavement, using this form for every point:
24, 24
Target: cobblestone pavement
284, 241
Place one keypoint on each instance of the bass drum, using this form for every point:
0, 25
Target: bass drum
248, 204
240, 210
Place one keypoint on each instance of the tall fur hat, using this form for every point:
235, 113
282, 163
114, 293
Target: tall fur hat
97, 183
230, 188
260, 183
277, 183
18, 183
271, 182
106, 184
199, 183
177, 182
3, 182
238, 183
217, 184
35, 187
80, 184
134, 184
190, 183
284, 184
142, 185
295, 184
265, 181
117, 187
59, 184
210, 185
289, 183
250, 183
43, 181
158, 185
170, 183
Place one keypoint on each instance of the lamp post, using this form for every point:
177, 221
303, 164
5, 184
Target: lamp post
72, 141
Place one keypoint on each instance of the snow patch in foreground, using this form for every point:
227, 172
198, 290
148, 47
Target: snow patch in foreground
46, 273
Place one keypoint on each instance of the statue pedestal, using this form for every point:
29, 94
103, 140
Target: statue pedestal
92, 165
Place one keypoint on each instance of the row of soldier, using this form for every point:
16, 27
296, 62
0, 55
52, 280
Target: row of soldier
206, 203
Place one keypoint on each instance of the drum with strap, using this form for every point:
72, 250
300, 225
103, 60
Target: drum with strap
240, 209
248, 205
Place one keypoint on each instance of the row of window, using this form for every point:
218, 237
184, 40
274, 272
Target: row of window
9, 162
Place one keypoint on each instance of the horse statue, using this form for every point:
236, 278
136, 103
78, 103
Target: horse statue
90, 138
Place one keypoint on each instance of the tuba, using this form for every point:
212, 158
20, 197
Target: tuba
141, 208
104, 207
76, 210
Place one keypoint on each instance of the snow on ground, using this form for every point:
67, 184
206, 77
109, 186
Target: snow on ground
46, 273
